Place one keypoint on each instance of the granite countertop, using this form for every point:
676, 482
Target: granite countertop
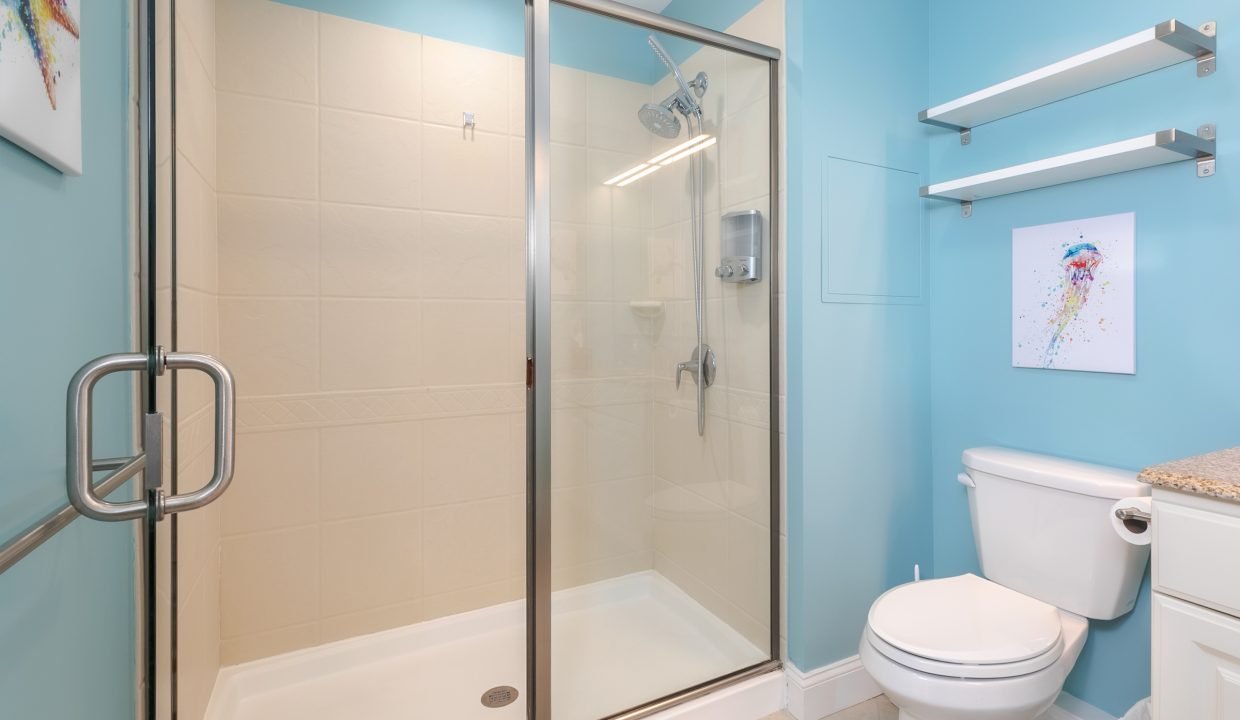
1216, 474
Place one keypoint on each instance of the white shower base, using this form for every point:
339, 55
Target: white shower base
616, 644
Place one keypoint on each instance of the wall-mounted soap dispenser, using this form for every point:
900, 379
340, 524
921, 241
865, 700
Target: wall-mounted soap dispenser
740, 250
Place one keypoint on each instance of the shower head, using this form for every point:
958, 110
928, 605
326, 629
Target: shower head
660, 120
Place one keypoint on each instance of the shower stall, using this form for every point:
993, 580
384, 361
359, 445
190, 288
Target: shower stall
507, 400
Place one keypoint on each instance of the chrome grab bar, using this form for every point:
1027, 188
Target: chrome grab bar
82, 492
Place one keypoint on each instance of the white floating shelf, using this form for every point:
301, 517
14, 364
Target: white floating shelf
1152, 49
1160, 148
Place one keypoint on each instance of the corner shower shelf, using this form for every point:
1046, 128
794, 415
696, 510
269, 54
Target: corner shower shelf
1161, 46
646, 308
1160, 148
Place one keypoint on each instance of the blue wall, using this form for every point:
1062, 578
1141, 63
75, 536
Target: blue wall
858, 376
1185, 397
67, 609
925, 380
580, 39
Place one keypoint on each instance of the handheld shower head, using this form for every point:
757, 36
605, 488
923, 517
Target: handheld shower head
660, 118
686, 93
670, 63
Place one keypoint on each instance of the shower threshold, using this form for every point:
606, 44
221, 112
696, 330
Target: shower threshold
616, 644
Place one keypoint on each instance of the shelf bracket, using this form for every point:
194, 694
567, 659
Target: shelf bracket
1205, 165
966, 209
966, 136
1208, 63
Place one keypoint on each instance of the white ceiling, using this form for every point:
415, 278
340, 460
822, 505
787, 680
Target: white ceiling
651, 5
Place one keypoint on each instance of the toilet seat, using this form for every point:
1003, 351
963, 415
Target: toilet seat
966, 627
963, 670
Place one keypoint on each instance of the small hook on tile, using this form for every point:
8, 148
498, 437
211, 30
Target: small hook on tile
469, 122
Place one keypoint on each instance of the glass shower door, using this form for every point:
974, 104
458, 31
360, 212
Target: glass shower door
348, 192
660, 306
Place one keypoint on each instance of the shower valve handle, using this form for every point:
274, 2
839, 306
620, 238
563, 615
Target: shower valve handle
699, 366
690, 366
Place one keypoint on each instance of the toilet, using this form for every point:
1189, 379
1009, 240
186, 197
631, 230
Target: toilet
999, 647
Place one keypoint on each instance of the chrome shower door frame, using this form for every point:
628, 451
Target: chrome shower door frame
538, 344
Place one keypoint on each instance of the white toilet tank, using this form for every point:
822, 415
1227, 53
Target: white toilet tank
1042, 527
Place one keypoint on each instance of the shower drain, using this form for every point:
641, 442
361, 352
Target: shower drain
499, 696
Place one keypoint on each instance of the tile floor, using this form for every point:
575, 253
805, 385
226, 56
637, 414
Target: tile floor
880, 708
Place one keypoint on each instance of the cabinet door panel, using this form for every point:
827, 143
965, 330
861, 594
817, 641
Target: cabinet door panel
1180, 566
1196, 662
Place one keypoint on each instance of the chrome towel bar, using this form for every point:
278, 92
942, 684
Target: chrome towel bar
40, 532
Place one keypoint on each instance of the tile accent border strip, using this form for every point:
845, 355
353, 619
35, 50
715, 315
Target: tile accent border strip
323, 409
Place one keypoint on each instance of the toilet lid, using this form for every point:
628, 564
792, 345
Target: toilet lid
965, 619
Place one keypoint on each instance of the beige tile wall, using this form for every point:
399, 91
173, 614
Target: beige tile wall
600, 426
163, 309
368, 294
196, 282
711, 494
371, 279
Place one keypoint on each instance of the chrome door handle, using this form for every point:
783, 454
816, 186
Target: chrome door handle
81, 488
225, 431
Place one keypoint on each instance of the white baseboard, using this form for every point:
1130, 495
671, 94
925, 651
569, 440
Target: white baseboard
828, 690
818, 693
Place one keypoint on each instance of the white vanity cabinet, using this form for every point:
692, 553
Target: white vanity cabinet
1196, 619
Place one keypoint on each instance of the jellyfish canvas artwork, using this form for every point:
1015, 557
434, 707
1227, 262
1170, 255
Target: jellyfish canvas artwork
1073, 300
40, 80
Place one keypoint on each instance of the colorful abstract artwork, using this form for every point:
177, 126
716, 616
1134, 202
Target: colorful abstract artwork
40, 80
1073, 299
